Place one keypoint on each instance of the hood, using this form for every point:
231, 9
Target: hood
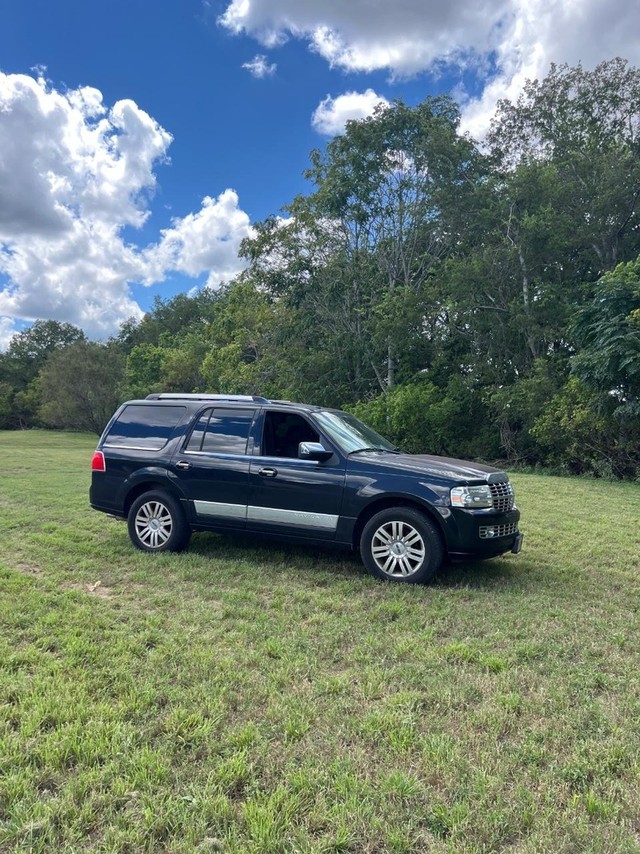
424, 464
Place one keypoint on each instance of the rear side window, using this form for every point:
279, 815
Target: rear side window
144, 428
221, 431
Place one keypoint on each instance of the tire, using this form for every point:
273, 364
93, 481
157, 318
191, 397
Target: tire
401, 544
156, 523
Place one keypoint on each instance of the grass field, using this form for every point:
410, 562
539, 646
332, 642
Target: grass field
246, 697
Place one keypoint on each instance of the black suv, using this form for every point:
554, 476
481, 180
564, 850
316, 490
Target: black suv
176, 463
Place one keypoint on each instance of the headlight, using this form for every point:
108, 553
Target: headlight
471, 497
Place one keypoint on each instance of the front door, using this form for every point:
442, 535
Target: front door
288, 495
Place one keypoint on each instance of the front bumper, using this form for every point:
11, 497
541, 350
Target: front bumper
482, 533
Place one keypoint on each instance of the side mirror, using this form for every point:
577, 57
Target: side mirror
313, 451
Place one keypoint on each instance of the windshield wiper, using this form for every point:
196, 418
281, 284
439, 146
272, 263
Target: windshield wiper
386, 450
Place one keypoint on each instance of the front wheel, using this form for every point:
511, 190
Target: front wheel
157, 524
401, 544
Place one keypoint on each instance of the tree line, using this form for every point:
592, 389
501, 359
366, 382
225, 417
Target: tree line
469, 300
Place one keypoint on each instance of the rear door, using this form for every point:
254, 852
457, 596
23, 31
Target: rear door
288, 495
213, 466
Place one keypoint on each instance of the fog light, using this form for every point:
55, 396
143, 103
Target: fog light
486, 532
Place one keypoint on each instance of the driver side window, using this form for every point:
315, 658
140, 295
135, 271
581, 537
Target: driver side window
283, 432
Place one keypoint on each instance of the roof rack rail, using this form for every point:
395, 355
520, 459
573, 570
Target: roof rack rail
238, 398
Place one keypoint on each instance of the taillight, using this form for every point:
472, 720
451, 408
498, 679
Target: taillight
98, 463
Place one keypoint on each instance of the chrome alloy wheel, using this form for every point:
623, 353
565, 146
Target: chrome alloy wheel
154, 524
398, 549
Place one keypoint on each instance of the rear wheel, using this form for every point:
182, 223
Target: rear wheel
157, 524
401, 544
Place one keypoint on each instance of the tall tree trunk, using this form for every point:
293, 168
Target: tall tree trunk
531, 343
391, 365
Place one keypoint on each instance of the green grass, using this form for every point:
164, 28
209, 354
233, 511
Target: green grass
247, 697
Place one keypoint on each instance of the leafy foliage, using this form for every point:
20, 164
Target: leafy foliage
577, 435
19, 367
79, 386
422, 418
609, 335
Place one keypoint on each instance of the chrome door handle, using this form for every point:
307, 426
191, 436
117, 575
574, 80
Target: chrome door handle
268, 472
183, 464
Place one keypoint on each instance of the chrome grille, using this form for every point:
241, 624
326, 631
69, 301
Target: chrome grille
502, 494
492, 532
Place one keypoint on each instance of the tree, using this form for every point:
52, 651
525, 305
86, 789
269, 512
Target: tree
6, 401
19, 367
608, 333
587, 125
577, 433
164, 351
559, 209
28, 350
79, 386
240, 358
392, 195
144, 369
167, 323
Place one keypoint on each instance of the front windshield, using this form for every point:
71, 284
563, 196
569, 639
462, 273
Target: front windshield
350, 434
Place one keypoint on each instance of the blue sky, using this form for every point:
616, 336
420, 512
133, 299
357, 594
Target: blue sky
143, 109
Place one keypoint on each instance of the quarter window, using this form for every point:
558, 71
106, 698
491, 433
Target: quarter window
144, 427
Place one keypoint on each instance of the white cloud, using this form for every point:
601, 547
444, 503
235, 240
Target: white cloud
405, 37
79, 277
540, 32
208, 240
260, 67
517, 39
7, 331
65, 155
332, 114
73, 173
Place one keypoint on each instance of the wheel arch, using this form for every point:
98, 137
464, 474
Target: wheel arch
397, 501
150, 485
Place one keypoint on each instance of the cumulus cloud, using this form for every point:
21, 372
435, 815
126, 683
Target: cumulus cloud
73, 173
80, 277
65, 155
503, 41
405, 36
207, 241
260, 67
332, 114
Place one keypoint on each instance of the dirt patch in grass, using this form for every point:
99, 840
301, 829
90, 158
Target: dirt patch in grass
28, 568
98, 589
